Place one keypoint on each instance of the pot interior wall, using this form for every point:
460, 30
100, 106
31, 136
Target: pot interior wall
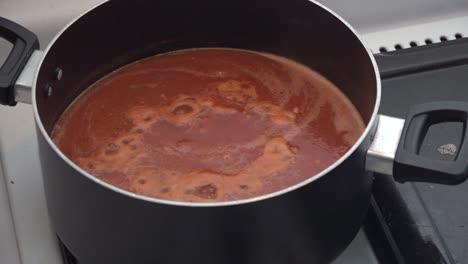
119, 32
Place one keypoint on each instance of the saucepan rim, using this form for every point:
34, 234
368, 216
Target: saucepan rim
212, 204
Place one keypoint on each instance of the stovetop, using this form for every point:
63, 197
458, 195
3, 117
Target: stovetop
406, 223
428, 222
414, 222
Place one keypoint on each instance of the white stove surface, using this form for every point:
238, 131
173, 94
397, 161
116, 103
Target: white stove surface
26, 236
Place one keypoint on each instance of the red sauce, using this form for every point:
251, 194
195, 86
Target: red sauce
208, 125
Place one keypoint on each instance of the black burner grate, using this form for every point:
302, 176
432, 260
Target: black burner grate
67, 256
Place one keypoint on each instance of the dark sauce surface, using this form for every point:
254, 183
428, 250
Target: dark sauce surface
208, 125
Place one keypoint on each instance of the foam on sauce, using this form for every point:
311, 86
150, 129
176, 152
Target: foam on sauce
208, 125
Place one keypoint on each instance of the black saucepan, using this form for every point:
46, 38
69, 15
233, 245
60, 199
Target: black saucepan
311, 222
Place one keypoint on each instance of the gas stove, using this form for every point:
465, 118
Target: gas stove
422, 55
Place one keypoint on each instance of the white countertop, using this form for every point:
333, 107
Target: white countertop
28, 239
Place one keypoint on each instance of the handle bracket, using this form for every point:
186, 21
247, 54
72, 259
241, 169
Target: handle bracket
23, 86
381, 154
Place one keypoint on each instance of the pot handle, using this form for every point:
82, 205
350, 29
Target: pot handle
411, 166
396, 147
24, 43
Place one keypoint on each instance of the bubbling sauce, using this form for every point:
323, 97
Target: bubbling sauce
208, 125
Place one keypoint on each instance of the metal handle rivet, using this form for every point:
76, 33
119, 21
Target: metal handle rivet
58, 74
48, 90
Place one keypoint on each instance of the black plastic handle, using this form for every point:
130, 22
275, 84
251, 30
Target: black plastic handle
409, 165
24, 43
